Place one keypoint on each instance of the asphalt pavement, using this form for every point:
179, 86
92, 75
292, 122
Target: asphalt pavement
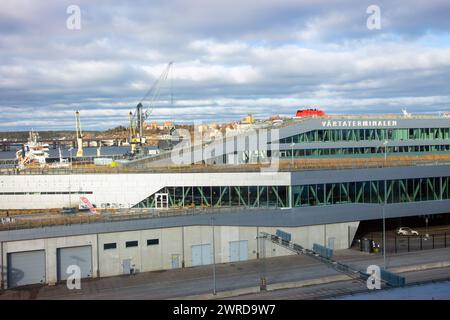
231, 276
438, 237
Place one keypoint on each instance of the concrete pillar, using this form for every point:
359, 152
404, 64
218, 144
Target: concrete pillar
348, 237
290, 196
97, 255
5, 265
2, 267
51, 273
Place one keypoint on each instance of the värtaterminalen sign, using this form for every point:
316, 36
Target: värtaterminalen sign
359, 123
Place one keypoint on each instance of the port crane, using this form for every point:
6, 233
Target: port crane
140, 115
79, 134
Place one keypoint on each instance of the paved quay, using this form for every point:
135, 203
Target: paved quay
197, 282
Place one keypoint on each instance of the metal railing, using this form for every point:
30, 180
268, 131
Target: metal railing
422, 242
115, 215
384, 116
324, 256
298, 249
284, 165
399, 244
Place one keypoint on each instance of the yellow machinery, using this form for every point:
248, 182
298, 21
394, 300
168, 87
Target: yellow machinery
135, 140
79, 134
248, 119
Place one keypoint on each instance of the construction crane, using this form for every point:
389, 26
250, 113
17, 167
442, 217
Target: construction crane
138, 118
79, 134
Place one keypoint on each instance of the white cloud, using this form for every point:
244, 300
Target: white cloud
319, 26
230, 58
198, 72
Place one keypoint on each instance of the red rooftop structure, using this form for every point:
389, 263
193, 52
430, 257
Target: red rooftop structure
309, 113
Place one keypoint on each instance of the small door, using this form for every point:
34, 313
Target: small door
206, 254
238, 250
243, 250
234, 251
126, 266
196, 255
27, 267
175, 261
201, 254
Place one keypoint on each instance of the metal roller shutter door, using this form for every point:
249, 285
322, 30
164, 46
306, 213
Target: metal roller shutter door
27, 267
80, 256
238, 250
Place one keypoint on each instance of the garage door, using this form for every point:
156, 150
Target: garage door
238, 250
26, 267
80, 256
201, 254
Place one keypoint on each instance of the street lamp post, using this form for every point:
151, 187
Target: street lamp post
262, 255
384, 224
385, 142
214, 256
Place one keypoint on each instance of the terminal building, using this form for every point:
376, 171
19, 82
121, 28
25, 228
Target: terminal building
316, 137
229, 196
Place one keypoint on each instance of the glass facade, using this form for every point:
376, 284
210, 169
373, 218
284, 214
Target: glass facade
359, 151
398, 191
376, 191
224, 196
355, 135
335, 135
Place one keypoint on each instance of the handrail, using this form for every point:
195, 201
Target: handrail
284, 165
133, 214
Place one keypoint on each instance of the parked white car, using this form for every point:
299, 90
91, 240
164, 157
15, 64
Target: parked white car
405, 231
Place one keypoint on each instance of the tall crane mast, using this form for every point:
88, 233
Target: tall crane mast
132, 134
138, 118
79, 134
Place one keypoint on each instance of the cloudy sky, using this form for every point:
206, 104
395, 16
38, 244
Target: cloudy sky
230, 58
